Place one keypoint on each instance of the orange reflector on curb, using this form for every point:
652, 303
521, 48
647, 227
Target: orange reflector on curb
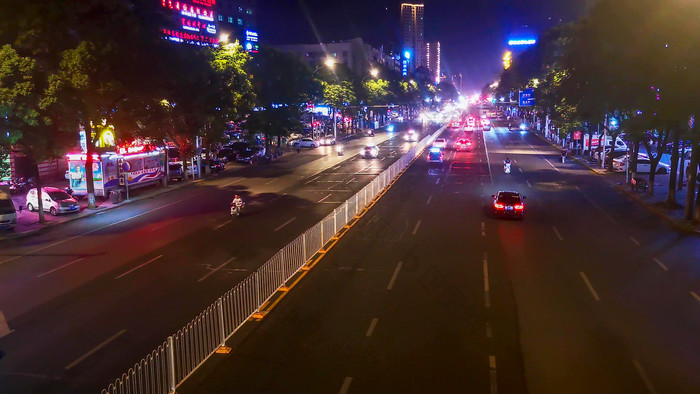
259, 315
223, 350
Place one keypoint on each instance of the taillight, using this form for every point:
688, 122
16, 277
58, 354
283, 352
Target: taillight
498, 205
519, 207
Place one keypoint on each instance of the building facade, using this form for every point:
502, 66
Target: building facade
412, 25
237, 20
433, 60
193, 22
359, 56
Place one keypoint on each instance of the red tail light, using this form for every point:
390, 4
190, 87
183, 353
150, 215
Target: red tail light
519, 207
498, 205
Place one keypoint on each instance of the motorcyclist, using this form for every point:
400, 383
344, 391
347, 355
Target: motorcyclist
506, 164
506, 161
236, 204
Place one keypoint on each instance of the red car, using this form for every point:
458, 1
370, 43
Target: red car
463, 144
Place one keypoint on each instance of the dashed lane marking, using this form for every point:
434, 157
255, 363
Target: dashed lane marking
643, 374
140, 266
430, 198
662, 265
557, 233
372, 325
324, 198
590, 286
223, 224
393, 277
415, 229
285, 223
346, 386
635, 241
94, 350
61, 267
492, 374
212, 272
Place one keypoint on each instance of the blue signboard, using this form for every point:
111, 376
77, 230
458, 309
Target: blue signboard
527, 98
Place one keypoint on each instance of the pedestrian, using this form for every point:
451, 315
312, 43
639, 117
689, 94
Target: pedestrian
563, 155
299, 148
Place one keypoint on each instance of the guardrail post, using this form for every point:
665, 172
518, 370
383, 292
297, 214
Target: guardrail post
335, 219
303, 244
171, 365
220, 306
323, 240
257, 290
347, 208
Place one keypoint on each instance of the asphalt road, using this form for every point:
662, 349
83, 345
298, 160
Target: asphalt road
85, 301
430, 293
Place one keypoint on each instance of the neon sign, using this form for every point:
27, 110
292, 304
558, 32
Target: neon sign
190, 38
529, 41
251, 36
131, 149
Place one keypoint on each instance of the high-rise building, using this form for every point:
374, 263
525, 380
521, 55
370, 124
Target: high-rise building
237, 20
413, 37
192, 23
432, 59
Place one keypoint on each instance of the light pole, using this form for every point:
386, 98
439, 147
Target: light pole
373, 72
330, 63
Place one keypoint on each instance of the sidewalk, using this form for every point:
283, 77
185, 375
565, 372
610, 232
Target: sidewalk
656, 203
28, 222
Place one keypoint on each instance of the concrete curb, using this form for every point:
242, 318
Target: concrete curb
97, 211
679, 224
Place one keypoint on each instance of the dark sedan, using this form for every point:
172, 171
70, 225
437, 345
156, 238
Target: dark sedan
509, 204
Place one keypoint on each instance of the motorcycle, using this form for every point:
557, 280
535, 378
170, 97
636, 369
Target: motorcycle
506, 168
339, 150
236, 210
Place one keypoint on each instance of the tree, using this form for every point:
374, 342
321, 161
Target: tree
378, 91
338, 96
447, 91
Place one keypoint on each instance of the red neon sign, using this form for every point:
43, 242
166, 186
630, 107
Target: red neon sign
131, 149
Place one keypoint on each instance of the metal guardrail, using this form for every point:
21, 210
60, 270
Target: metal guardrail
182, 353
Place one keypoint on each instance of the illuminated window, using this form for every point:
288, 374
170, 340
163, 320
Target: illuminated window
230, 19
221, 18
240, 21
249, 11
240, 9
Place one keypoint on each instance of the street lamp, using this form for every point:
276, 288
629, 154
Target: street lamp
330, 63
372, 73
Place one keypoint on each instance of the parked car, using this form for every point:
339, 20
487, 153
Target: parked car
175, 171
304, 143
251, 155
55, 201
643, 165
8, 215
216, 165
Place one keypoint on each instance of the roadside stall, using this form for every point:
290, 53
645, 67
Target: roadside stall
130, 167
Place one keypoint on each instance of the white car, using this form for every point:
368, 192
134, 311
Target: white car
55, 201
411, 136
440, 143
643, 165
327, 140
305, 143
370, 152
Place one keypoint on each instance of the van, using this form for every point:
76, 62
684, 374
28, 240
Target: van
55, 201
8, 215
594, 141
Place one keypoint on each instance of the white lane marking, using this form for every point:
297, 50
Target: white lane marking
140, 266
635, 241
550, 163
233, 182
324, 198
216, 269
644, 376
492, 374
487, 288
577, 188
415, 229
695, 295
285, 223
528, 183
165, 223
429, 199
488, 160
350, 181
662, 265
589, 285
311, 180
346, 385
393, 277
61, 267
483, 229
336, 167
93, 231
383, 158
272, 181
372, 325
599, 208
223, 224
4, 327
489, 332
520, 169
94, 350
437, 181
557, 233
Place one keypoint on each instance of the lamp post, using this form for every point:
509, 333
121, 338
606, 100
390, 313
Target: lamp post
330, 63
373, 73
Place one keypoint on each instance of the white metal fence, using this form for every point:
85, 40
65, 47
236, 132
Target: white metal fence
182, 353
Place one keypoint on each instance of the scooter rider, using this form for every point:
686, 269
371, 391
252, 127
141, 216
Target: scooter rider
506, 165
236, 205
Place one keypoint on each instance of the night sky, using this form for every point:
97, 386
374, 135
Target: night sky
473, 33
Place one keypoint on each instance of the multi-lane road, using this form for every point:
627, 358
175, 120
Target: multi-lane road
429, 293
85, 301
